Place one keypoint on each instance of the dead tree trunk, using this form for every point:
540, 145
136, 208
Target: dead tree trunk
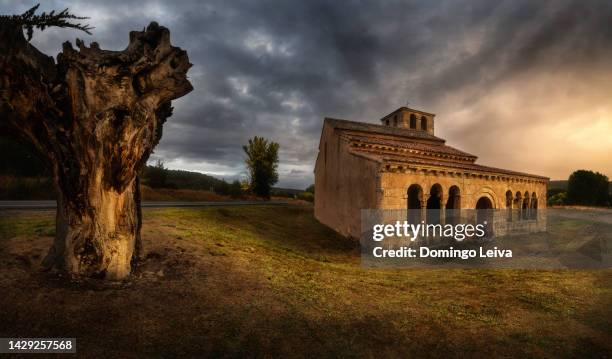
96, 116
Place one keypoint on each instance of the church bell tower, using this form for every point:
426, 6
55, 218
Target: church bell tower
410, 119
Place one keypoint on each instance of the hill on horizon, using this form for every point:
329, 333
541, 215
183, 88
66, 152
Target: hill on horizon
19, 160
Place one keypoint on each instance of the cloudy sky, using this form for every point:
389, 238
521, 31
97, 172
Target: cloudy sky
524, 85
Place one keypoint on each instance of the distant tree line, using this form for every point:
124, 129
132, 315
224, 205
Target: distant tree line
585, 188
157, 176
20, 159
24, 175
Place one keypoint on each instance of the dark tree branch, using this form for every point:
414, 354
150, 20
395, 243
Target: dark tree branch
29, 21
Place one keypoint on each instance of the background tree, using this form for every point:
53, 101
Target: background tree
95, 117
235, 189
20, 159
262, 162
558, 199
310, 189
157, 175
587, 188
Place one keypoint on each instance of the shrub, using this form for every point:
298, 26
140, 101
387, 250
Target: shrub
587, 188
306, 196
558, 199
235, 189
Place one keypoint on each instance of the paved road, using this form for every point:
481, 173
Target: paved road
52, 204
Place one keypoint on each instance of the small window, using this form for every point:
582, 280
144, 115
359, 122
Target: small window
423, 123
395, 120
387, 122
413, 121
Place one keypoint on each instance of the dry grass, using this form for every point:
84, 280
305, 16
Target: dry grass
270, 281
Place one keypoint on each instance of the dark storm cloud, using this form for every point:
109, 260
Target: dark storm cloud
276, 68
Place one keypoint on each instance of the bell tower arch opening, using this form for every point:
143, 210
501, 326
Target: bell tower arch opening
413, 121
410, 119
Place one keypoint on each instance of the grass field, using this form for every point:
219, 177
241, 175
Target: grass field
271, 281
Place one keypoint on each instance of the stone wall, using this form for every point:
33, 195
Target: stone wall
393, 187
344, 184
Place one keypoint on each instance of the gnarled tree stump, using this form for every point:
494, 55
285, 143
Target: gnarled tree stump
96, 116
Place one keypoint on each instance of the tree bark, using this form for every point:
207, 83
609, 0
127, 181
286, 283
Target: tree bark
96, 116
111, 222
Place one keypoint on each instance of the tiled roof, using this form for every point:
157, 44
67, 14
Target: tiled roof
405, 145
369, 128
391, 145
393, 159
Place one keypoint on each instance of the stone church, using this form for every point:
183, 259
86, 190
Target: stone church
401, 164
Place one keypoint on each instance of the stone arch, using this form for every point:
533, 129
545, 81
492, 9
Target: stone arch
454, 197
413, 121
525, 206
509, 200
453, 205
484, 214
484, 202
423, 123
414, 203
486, 192
434, 203
518, 201
534, 206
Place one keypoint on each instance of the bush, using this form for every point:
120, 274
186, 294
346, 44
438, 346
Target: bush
235, 189
306, 196
558, 199
554, 191
587, 188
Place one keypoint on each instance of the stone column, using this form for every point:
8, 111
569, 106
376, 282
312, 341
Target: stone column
424, 210
442, 210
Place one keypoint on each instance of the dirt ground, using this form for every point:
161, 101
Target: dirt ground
270, 281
